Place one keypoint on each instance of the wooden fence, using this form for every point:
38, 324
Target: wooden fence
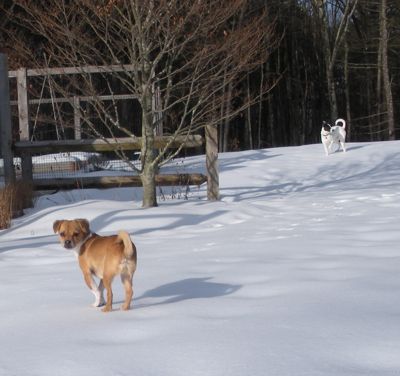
29, 148
25, 148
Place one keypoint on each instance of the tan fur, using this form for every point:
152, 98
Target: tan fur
100, 256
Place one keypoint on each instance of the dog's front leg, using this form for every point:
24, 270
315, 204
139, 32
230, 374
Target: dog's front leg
97, 291
326, 148
99, 295
330, 146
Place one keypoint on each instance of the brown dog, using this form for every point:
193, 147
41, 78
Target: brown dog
100, 256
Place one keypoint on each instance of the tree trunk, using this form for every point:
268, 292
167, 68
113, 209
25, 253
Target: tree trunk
271, 122
148, 178
149, 169
384, 37
328, 58
225, 137
347, 90
379, 99
260, 108
248, 123
270, 126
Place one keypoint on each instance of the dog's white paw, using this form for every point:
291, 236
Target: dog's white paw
99, 303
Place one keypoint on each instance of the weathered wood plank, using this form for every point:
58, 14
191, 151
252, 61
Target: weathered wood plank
76, 70
117, 181
211, 132
98, 145
23, 114
91, 98
23, 107
77, 118
5, 122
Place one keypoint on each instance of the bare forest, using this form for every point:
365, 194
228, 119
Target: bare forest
314, 40
266, 73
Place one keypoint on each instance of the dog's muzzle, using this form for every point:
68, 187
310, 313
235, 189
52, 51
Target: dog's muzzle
68, 244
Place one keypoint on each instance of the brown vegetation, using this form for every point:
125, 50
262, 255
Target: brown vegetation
13, 199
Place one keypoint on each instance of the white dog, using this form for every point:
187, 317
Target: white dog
333, 135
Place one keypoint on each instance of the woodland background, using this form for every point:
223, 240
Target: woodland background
330, 59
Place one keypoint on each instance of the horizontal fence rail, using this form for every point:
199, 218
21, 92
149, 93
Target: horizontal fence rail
118, 181
75, 70
108, 144
73, 100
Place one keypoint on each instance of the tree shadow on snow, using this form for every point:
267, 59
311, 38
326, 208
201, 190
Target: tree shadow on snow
190, 288
356, 175
173, 221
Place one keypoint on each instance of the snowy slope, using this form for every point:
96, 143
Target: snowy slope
294, 272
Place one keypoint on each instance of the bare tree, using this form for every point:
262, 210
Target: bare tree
383, 67
332, 43
192, 52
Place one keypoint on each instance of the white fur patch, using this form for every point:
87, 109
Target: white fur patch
99, 299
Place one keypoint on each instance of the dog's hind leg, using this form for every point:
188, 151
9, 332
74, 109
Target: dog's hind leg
342, 144
107, 281
126, 279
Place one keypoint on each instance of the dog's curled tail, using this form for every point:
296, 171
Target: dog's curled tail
129, 250
341, 121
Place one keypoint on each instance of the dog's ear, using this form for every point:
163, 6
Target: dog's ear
56, 225
84, 224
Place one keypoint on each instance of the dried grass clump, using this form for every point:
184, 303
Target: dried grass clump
13, 199
6, 196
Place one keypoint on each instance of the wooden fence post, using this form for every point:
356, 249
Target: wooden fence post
5, 122
77, 118
23, 116
211, 133
23, 107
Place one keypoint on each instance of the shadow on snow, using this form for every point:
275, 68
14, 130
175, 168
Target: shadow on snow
190, 288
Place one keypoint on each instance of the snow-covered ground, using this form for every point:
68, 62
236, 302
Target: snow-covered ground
296, 271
